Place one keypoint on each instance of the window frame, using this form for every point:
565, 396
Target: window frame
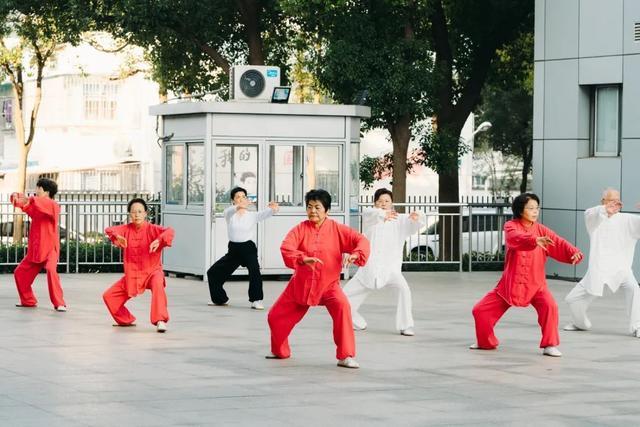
593, 125
335, 206
184, 203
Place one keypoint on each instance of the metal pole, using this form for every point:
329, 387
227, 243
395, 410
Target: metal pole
470, 238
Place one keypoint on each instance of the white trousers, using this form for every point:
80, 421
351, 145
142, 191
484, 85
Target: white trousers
356, 292
579, 300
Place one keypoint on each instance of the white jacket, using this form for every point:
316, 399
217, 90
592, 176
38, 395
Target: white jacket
387, 240
613, 241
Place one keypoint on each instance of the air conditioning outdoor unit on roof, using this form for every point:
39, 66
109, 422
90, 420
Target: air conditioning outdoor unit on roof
253, 83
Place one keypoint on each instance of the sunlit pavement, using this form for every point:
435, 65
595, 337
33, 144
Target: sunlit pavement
74, 368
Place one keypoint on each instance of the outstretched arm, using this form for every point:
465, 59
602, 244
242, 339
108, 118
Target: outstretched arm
561, 250
594, 216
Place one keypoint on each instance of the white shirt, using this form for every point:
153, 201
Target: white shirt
387, 240
240, 228
613, 242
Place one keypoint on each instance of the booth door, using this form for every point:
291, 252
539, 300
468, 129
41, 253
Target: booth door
236, 166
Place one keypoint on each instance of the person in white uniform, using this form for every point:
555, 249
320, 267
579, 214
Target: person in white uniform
387, 231
242, 250
613, 237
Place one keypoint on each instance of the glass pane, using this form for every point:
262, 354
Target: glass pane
323, 170
175, 174
607, 120
224, 170
245, 170
195, 174
285, 176
355, 176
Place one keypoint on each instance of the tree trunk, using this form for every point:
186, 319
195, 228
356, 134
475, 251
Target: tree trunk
527, 159
18, 118
250, 17
400, 136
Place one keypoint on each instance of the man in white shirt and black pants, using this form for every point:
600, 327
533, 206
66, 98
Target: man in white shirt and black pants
242, 250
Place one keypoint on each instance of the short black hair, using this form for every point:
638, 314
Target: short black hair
237, 190
519, 202
136, 200
319, 195
48, 185
379, 192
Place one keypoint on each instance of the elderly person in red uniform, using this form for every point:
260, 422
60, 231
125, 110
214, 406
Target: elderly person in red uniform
523, 280
43, 248
142, 244
314, 249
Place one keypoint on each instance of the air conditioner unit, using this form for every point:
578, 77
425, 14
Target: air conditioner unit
253, 83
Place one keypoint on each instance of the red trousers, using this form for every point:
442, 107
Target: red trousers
26, 273
286, 312
116, 296
492, 306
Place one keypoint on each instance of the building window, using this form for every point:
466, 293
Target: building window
100, 100
605, 121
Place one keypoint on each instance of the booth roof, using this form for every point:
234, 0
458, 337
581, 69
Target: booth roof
239, 107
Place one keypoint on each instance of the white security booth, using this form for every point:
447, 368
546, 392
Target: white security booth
276, 151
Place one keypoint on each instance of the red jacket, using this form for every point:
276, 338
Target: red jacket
44, 238
327, 242
524, 273
139, 264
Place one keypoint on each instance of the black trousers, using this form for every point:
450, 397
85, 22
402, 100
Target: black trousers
240, 254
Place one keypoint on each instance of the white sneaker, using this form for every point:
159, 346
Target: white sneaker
474, 346
272, 356
161, 326
61, 308
572, 327
220, 305
348, 362
257, 305
409, 332
552, 351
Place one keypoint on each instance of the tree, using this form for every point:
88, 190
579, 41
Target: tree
380, 46
507, 102
30, 34
192, 44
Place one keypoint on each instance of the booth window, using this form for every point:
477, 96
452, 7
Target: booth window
605, 121
195, 174
236, 165
296, 169
175, 174
323, 170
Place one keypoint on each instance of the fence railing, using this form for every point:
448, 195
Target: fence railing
83, 245
459, 235
462, 236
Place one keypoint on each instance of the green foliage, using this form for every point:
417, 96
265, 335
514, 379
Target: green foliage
379, 46
508, 102
102, 253
442, 150
191, 43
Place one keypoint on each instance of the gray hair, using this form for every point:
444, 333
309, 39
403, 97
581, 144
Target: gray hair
607, 191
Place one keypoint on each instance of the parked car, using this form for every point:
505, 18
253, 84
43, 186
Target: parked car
486, 234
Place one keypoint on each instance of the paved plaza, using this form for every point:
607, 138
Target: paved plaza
75, 369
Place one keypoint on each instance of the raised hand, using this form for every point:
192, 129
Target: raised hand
349, 259
390, 215
576, 258
153, 246
121, 241
613, 207
274, 206
544, 241
414, 216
